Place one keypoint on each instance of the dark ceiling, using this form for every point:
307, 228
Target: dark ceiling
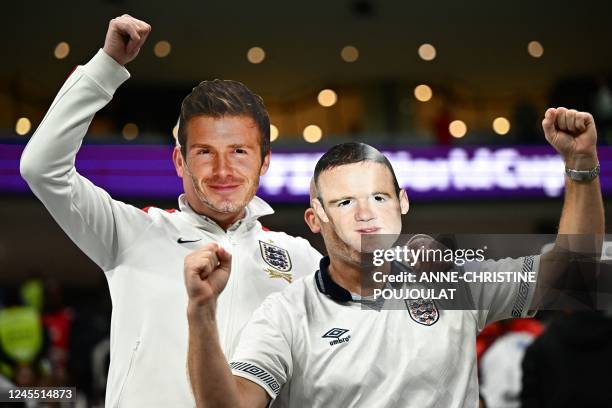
481, 45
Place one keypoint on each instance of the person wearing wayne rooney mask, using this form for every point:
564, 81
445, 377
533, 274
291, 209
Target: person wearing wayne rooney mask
314, 345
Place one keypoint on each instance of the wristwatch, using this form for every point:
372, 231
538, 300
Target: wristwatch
583, 175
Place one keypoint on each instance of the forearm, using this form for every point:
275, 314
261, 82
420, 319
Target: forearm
96, 223
49, 157
583, 211
580, 236
582, 225
211, 378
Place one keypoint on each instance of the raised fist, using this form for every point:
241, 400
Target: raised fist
206, 271
125, 37
573, 135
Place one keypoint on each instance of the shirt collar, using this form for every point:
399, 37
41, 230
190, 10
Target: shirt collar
326, 284
255, 208
331, 289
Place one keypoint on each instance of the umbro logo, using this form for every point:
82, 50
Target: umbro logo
186, 241
336, 334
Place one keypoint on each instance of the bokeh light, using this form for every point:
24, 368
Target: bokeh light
427, 52
162, 49
349, 53
130, 131
457, 128
62, 50
312, 133
273, 133
23, 126
256, 55
327, 98
501, 125
423, 93
535, 49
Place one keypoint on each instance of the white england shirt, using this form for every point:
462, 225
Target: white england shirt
313, 345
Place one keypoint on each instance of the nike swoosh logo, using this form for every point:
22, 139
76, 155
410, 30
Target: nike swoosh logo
186, 241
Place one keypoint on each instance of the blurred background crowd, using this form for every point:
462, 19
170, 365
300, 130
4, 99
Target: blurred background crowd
395, 74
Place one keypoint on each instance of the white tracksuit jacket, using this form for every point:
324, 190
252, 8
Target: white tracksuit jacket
140, 251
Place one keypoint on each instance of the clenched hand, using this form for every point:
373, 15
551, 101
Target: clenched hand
125, 37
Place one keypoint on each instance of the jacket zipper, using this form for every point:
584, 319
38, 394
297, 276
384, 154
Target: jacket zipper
129, 371
229, 335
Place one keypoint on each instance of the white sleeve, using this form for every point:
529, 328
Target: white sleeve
498, 301
263, 354
100, 226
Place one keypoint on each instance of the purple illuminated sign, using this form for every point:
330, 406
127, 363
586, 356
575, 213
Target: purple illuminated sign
428, 173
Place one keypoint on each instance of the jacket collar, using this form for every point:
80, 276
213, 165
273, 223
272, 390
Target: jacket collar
255, 208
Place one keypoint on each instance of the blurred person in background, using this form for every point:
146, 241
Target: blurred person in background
90, 327
23, 342
441, 124
569, 364
57, 319
602, 103
525, 123
500, 348
224, 148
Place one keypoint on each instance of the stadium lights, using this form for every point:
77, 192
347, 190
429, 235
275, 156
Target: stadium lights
256, 55
312, 133
501, 125
273, 133
457, 128
427, 52
535, 49
162, 49
130, 131
423, 93
62, 50
327, 98
23, 126
349, 53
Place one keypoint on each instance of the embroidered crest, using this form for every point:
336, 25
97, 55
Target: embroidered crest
423, 311
277, 257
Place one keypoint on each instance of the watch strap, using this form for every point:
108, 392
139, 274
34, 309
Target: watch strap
583, 175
